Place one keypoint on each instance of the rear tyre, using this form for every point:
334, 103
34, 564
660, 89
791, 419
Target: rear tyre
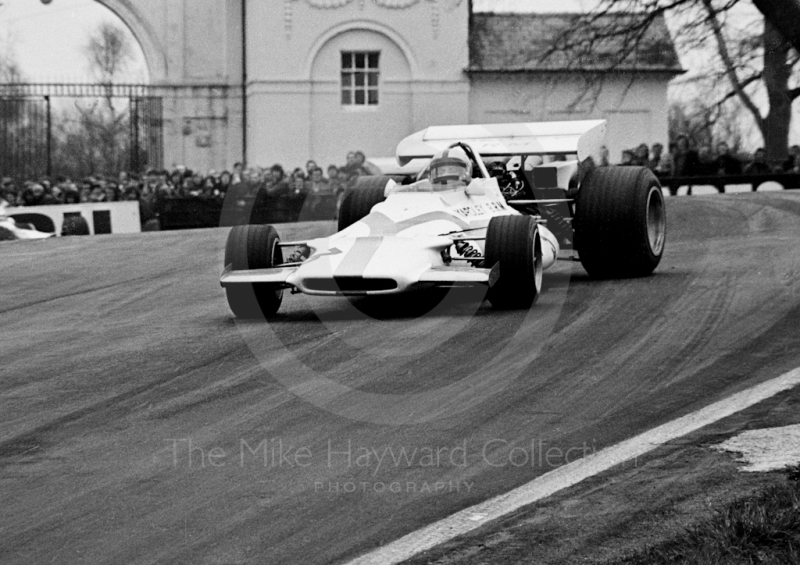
359, 200
514, 245
253, 247
75, 225
620, 222
6, 234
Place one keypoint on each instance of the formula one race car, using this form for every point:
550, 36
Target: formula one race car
10, 229
463, 223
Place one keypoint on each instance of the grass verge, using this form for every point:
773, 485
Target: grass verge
761, 529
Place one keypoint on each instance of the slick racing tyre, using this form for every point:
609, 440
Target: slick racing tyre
620, 222
75, 225
360, 199
6, 234
514, 245
253, 247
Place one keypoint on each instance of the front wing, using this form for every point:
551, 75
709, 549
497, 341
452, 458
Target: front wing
446, 276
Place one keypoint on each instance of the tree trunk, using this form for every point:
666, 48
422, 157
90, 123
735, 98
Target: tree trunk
785, 15
775, 127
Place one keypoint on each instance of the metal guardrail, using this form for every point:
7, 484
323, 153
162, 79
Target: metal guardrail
786, 180
192, 213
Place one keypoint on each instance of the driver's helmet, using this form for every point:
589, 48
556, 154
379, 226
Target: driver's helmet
451, 165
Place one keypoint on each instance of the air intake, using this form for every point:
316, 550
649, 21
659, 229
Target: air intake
350, 284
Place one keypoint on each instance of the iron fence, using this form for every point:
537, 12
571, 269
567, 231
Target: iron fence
31, 145
25, 136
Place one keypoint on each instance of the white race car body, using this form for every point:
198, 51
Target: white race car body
424, 234
10, 224
406, 242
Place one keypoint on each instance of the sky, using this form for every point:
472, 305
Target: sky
29, 28
48, 40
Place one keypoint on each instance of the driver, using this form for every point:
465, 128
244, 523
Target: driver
451, 168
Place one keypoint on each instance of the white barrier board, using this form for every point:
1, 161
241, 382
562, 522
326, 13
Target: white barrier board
102, 217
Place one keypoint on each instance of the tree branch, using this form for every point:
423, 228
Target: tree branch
729, 64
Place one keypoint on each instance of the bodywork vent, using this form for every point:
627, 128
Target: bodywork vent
350, 284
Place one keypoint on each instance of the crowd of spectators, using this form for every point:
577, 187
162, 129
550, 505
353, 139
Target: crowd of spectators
275, 183
683, 160
154, 185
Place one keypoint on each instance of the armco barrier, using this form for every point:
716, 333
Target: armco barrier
101, 217
189, 213
786, 180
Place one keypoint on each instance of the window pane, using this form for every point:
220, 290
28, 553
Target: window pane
373, 60
359, 97
347, 60
359, 79
346, 97
347, 79
373, 97
373, 79
360, 60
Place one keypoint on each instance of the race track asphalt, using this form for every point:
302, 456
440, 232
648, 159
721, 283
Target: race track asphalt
139, 423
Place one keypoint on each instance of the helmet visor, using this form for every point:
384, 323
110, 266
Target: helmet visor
449, 172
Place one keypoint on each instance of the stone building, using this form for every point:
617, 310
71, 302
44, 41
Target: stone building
323, 77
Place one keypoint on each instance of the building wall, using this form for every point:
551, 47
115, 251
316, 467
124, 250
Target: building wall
294, 110
188, 45
636, 110
294, 69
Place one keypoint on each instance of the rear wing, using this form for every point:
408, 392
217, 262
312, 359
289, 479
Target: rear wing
389, 166
584, 138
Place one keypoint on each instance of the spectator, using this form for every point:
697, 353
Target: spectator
318, 184
706, 162
655, 161
686, 160
641, 155
277, 185
210, 189
627, 158
726, 164
310, 166
71, 195
98, 194
759, 165
131, 193
33, 195
238, 169
299, 186
333, 172
791, 163
112, 193
224, 181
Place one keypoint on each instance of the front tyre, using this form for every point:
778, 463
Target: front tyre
620, 222
514, 245
253, 247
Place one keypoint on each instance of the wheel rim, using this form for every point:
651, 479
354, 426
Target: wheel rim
538, 268
277, 259
656, 220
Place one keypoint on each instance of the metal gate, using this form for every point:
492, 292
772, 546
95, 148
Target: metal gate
25, 137
147, 138
27, 126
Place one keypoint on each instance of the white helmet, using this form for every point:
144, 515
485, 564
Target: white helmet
451, 165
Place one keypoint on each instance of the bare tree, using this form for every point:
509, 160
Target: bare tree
109, 52
102, 125
749, 62
785, 16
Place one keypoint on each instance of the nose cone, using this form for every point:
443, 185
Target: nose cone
365, 265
